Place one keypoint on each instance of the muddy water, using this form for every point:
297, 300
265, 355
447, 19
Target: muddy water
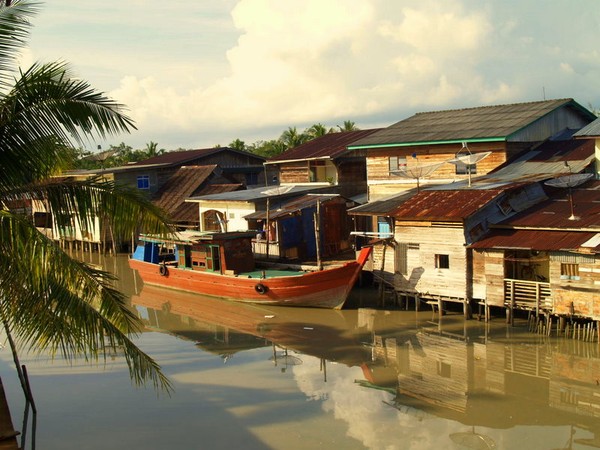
257, 377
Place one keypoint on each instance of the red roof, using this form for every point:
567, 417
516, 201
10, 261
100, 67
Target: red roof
183, 156
535, 240
330, 145
555, 212
445, 205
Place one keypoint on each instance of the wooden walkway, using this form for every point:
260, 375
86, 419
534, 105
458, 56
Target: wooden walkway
8, 434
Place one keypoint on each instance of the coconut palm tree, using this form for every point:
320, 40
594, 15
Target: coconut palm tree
48, 300
348, 126
292, 138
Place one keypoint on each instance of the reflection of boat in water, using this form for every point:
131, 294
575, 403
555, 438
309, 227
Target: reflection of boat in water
319, 332
479, 379
222, 265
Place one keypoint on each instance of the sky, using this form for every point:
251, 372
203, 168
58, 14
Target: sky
195, 74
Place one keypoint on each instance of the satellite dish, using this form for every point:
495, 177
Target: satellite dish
464, 156
277, 190
570, 181
417, 171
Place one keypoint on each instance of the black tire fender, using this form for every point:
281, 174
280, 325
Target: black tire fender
261, 288
163, 270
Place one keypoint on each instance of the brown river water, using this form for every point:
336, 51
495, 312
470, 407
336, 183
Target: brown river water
256, 377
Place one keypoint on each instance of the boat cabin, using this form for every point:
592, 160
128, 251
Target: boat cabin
224, 253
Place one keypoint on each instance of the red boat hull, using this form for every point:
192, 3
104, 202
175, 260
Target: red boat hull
323, 289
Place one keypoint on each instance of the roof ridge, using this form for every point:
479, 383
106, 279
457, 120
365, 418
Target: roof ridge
558, 100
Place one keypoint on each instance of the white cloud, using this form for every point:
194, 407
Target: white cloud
210, 72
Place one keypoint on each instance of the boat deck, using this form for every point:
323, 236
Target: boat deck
271, 273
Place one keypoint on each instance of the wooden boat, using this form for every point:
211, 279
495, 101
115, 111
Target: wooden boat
222, 265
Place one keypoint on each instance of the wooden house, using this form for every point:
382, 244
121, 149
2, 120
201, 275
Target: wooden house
428, 254
325, 160
307, 227
405, 154
227, 211
545, 259
189, 181
151, 174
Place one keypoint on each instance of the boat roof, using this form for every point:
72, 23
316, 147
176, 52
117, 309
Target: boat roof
192, 236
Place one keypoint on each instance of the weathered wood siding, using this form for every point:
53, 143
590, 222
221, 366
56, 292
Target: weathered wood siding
583, 293
294, 172
488, 276
378, 169
422, 276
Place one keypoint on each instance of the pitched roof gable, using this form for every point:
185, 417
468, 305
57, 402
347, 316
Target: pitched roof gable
330, 145
484, 123
445, 205
183, 156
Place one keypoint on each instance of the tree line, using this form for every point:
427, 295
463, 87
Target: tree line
123, 154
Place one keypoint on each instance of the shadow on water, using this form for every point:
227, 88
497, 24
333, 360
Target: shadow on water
480, 375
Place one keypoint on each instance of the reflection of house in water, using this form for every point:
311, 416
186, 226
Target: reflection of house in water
486, 380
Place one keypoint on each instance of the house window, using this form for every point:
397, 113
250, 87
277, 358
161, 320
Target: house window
442, 261
569, 271
143, 182
463, 169
397, 163
251, 179
444, 369
401, 258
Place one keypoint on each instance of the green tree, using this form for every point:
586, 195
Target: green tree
238, 144
152, 150
292, 138
348, 126
48, 300
317, 130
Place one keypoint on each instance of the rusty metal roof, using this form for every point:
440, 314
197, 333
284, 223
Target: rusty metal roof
536, 240
480, 124
445, 205
555, 212
184, 156
331, 145
188, 181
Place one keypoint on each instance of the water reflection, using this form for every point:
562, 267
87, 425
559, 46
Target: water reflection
427, 383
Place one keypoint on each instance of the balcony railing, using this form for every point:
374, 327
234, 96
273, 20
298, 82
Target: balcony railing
530, 295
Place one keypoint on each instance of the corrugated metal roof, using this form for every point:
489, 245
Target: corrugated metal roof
535, 240
292, 206
483, 123
434, 205
383, 207
591, 130
184, 156
181, 185
260, 193
555, 212
331, 145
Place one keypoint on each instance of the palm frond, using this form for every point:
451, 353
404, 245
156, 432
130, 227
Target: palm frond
14, 32
45, 111
55, 303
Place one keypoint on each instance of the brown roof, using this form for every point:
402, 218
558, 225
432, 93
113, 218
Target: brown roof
555, 212
497, 122
186, 182
535, 240
331, 145
445, 205
183, 156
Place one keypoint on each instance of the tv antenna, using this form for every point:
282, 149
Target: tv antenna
464, 156
417, 171
570, 181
